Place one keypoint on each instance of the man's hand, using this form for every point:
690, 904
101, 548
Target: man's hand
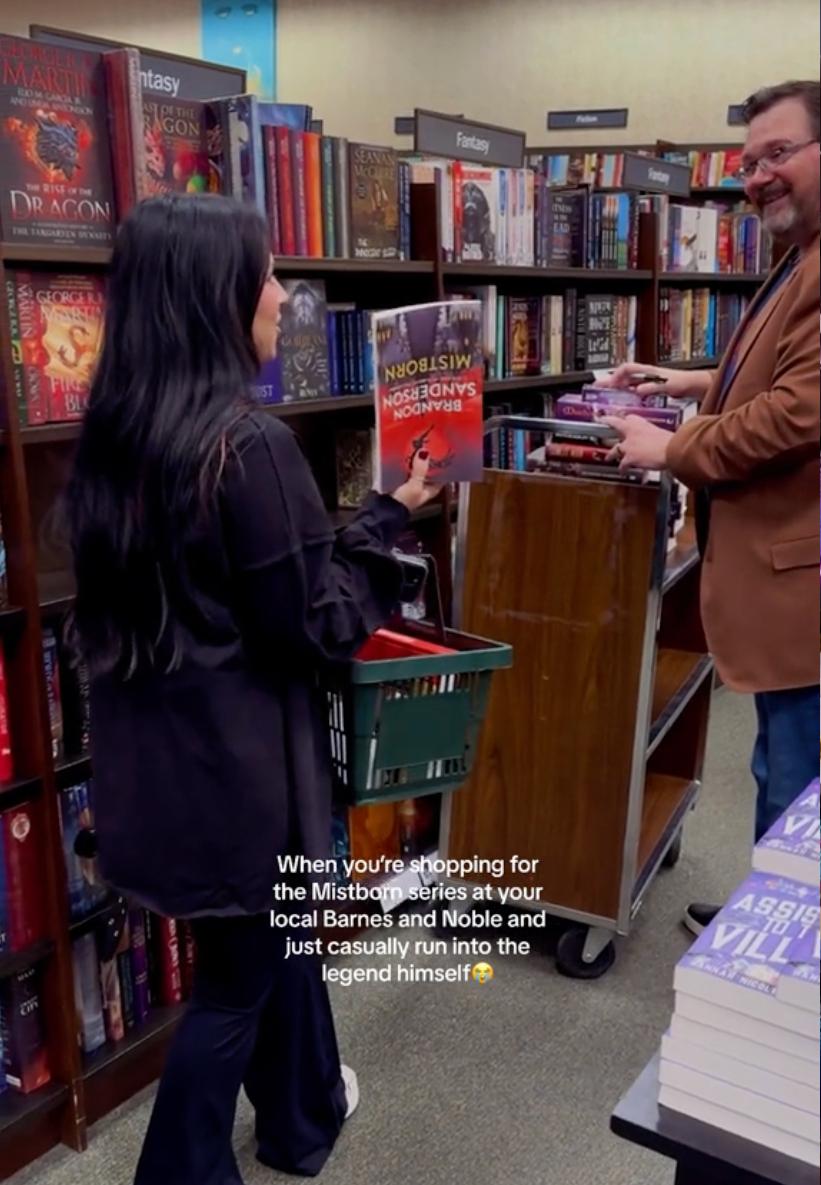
678, 384
643, 445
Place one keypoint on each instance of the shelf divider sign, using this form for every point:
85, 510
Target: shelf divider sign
653, 175
463, 139
602, 117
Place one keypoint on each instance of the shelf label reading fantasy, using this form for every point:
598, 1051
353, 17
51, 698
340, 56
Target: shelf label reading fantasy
429, 381
654, 175
55, 168
448, 135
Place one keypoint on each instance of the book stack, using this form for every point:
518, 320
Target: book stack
710, 169
742, 1052
555, 334
697, 323
715, 238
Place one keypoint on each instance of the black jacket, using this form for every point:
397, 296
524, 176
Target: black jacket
203, 776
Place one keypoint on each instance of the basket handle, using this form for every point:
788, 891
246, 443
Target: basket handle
411, 565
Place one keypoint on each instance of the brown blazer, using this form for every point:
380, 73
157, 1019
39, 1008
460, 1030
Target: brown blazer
758, 452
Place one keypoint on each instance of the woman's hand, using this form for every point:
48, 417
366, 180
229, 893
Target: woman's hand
678, 384
417, 491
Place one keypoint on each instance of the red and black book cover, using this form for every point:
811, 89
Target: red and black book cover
55, 163
176, 146
21, 1021
168, 958
285, 193
60, 319
24, 881
429, 369
6, 763
124, 86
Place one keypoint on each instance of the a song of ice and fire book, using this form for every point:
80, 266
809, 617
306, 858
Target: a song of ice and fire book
429, 376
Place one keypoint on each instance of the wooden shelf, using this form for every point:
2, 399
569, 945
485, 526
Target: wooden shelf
682, 558
706, 278
51, 433
87, 924
730, 191
535, 382
300, 264
21, 960
666, 802
18, 1109
116, 1072
161, 1023
312, 407
38, 253
11, 619
582, 275
56, 593
18, 790
679, 674
71, 770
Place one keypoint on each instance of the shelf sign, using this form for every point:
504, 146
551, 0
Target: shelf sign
461, 139
405, 125
164, 75
606, 117
735, 115
318, 126
653, 175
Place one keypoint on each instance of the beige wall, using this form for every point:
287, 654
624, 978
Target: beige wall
173, 25
676, 64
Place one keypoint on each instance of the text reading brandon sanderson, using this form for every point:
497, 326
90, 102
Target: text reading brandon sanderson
326, 905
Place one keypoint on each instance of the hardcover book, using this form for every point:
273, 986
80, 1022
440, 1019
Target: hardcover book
374, 202
87, 996
60, 322
176, 146
6, 763
24, 880
303, 342
738, 960
573, 407
139, 965
429, 381
801, 977
21, 1021
55, 164
792, 846
478, 200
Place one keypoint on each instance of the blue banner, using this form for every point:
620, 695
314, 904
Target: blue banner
243, 35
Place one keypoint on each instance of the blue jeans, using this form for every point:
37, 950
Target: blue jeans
785, 757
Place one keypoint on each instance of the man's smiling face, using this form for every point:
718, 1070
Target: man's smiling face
787, 192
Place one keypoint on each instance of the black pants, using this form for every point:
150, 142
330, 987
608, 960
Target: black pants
259, 1020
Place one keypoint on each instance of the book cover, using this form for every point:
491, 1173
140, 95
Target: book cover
801, 977
55, 163
6, 763
126, 977
340, 843
374, 202
286, 115
267, 387
477, 213
139, 965
429, 381
176, 146
61, 327
329, 215
573, 408
24, 881
51, 667
21, 1021
95, 889
113, 1019
303, 341
285, 194
524, 334
269, 143
313, 193
70, 826
792, 846
738, 960
246, 148
88, 1000
354, 466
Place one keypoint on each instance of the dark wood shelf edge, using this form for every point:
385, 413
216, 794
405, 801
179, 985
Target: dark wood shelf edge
536, 381
306, 263
314, 406
11, 618
17, 791
87, 924
70, 770
667, 717
644, 876
62, 255
16, 1109
707, 278
12, 962
681, 560
624, 275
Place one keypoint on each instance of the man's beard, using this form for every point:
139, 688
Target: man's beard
782, 222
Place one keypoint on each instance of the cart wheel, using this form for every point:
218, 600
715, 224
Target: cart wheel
569, 959
673, 854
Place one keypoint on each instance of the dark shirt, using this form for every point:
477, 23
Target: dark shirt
204, 775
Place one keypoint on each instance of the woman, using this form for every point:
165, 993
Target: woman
210, 586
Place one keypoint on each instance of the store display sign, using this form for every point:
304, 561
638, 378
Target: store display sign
452, 136
163, 75
653, 175
607, 117
735, 115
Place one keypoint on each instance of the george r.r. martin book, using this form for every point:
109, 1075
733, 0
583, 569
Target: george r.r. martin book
55, 164
429, 369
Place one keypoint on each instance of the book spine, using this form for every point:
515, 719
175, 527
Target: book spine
286, 190
16, 352
139, 965
112, 1000
458, 211
24, 1051
23, 879
34, 394
313, 192
169, 955
347, 355
272, 188
256, 151
6, 762
333, 360
300, 192
356, 350
51, 666
342, 192
87, 999
328, 199
187, 958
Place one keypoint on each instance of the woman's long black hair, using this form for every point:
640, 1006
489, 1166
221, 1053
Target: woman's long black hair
174, 374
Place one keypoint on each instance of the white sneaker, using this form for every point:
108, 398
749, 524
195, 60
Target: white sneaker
351, 1082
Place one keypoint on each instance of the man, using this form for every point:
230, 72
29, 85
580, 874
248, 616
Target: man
752, 457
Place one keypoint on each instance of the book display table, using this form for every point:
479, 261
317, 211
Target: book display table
593, 744
704, 1155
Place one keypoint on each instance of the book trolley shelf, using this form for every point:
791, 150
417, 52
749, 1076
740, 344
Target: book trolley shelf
650, 711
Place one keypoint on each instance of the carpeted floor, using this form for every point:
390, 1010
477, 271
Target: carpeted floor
513, 1083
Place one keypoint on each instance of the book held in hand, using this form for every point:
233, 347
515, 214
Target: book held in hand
429, 382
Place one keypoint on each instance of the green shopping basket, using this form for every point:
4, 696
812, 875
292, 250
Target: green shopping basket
405, 714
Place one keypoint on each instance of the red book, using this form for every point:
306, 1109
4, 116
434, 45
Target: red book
124, 85
300, 191
285, 195
60, 318
725, 242
458, 210
169, 957
272, 187
429, 368
55, 163
24, 878
313, 192
6, 763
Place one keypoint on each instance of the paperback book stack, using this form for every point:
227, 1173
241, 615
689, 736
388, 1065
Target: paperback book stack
742, 1052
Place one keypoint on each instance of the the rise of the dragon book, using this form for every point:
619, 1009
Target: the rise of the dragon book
429, 371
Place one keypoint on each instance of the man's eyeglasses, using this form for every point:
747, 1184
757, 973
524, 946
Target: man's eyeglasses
772, 160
